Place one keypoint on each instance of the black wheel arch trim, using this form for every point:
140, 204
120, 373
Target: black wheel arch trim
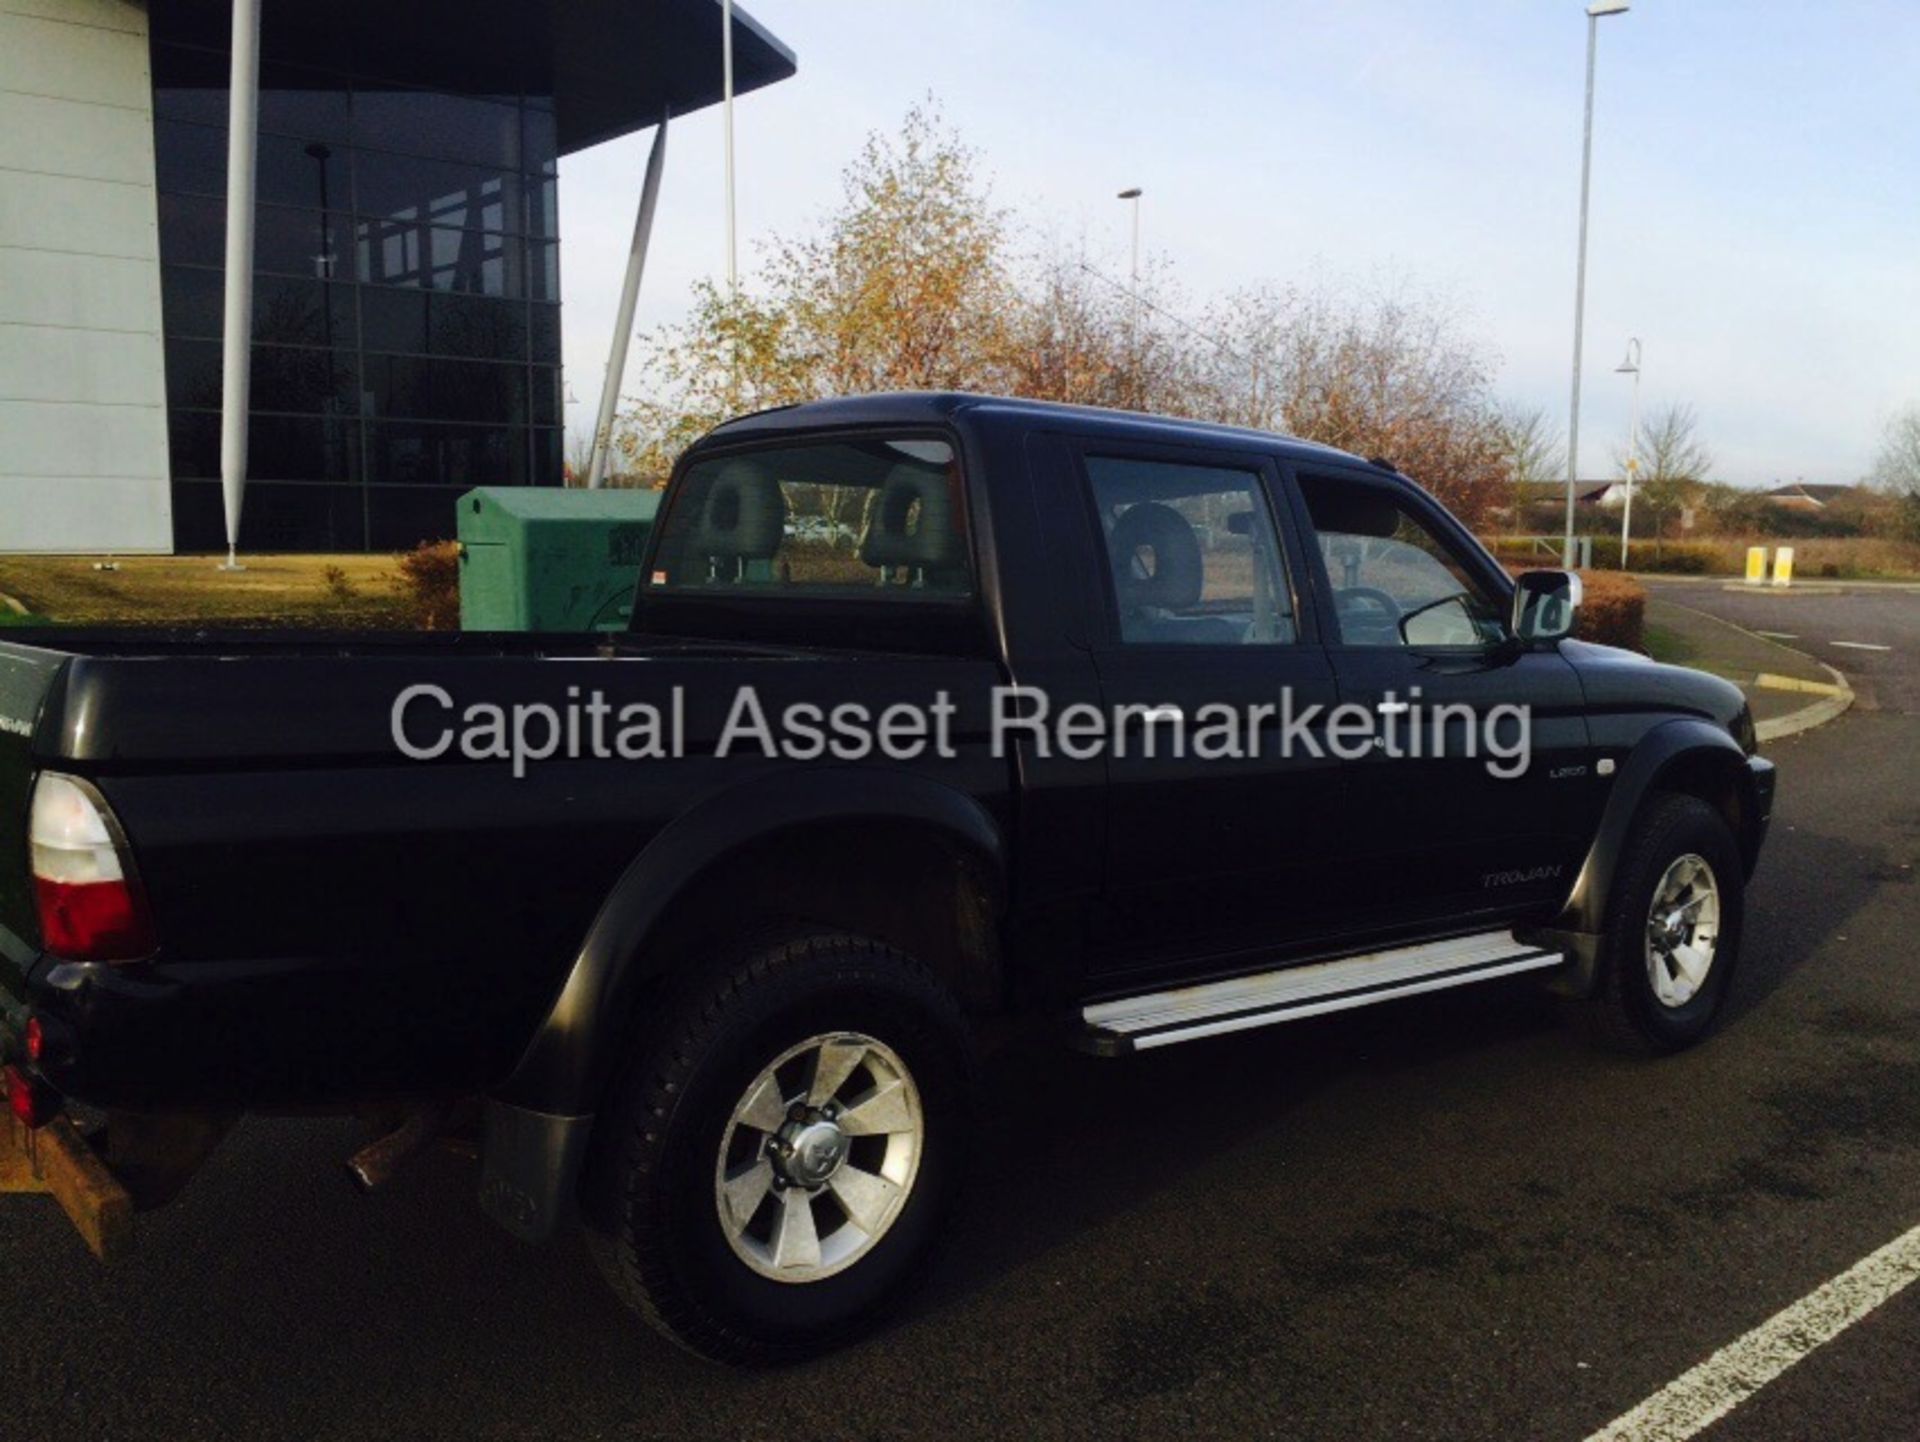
569, 1057
1667, 749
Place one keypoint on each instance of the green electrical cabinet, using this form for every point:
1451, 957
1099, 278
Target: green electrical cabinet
544, 559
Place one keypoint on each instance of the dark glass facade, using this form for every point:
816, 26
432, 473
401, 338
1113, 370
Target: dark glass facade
406, 308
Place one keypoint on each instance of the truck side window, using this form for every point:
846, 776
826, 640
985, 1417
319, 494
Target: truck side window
1192, 554
1395, 583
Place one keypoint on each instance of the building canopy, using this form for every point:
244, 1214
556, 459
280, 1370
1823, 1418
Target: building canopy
610, 66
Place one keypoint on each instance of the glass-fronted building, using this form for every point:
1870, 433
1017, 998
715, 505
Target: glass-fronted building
406, 269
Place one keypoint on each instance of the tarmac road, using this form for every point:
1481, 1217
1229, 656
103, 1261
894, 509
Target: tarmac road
1441, 1218
1839, 629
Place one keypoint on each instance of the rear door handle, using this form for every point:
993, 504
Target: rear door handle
1393, 708
1155, 714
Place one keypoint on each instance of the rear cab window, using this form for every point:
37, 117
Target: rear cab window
866, 519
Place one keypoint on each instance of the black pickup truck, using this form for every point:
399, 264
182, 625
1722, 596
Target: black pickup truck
934, 711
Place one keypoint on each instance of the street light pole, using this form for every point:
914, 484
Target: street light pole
726, 123
1631, 366
1595, 12
1132, 195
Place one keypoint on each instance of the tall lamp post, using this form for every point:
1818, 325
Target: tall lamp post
1133, 193
1132, 196
726, 126
1630, 367
1596, 11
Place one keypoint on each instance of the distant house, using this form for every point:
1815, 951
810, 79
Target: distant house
1802, 496
1608, 494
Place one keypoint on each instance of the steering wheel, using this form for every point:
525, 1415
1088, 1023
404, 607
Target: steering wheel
1376, 612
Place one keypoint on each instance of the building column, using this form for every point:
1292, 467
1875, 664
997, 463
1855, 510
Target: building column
629, 295
243, 110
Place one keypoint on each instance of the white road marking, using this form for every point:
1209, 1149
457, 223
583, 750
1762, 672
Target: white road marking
1860, 645
1702, 1396
1778, 635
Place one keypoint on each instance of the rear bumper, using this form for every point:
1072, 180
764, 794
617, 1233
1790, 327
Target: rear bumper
216, 1039
115, 1037
243, 1035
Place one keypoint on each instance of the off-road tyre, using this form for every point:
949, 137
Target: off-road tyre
649, 1190
1623, 1013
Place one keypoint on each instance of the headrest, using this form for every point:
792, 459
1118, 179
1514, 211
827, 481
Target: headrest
743, 516
912, 523
1156, 558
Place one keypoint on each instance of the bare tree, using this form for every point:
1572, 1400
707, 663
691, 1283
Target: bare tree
1896, 469
1674, 463
1534, 453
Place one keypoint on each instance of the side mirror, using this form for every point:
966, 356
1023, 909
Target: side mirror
1545, 606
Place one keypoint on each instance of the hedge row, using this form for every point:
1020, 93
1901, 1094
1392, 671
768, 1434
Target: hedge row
1614, 611
1613, 608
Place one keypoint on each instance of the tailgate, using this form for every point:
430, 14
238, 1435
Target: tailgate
54, 1160
27, 675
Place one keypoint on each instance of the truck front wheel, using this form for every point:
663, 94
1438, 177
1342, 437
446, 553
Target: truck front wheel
786, 1150
1673, 930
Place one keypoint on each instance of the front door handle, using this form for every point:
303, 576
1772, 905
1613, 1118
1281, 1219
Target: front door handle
1394, 708
1155, 714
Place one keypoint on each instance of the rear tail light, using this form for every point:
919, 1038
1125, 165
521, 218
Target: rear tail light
90, 903
33, 1104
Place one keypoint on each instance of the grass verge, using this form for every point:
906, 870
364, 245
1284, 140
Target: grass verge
345, 592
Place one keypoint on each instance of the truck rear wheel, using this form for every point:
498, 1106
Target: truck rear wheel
1673, 930
780, 1161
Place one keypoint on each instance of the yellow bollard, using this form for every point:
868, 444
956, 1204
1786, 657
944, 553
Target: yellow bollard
1756, 565
1783, 566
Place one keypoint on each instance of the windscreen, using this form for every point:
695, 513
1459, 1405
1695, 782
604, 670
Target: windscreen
846, 519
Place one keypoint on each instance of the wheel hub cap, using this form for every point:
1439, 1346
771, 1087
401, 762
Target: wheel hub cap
819, 1158
1683, 930
811, 1152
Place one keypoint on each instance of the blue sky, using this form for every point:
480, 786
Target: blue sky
1756, 194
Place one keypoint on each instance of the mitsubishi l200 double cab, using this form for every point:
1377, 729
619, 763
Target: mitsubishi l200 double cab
933, 710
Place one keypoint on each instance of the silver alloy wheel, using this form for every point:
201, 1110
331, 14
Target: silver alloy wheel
1683, 930
819, 1157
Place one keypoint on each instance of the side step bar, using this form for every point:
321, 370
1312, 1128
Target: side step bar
1161, 1018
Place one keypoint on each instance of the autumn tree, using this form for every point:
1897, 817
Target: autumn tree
906, 287
1080, 336
1391, 375
918, 281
